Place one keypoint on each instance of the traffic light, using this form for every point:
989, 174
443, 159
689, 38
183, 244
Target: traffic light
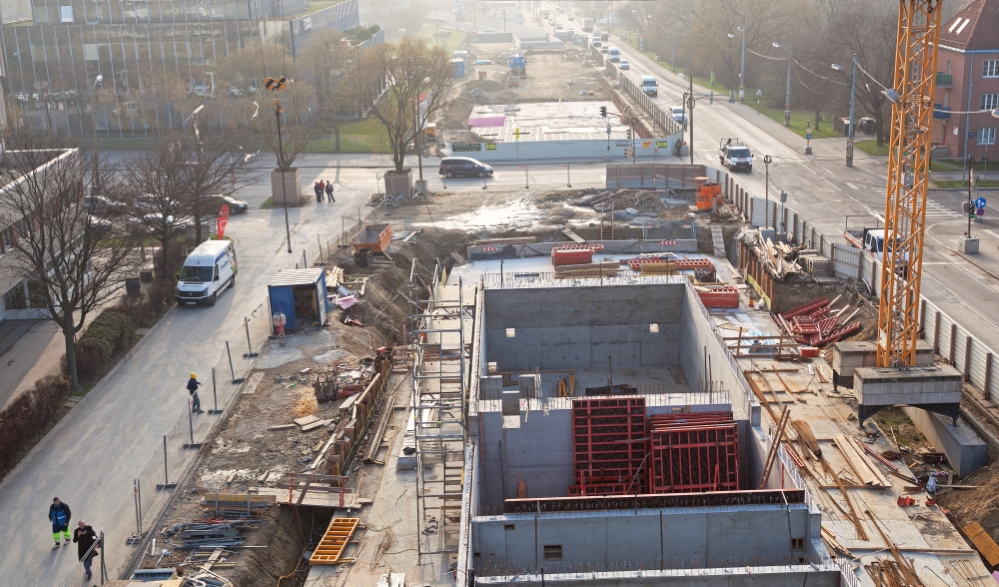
603, 111
629, 134
966, 207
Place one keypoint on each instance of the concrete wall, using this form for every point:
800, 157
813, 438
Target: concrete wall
822, 576
581, 149
965, 450
727, 536
578, 328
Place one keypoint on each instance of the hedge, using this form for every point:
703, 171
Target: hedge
28, 416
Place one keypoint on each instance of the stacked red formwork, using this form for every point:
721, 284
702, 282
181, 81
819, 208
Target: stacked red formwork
694, 452
725, 296
609, 446
574, 254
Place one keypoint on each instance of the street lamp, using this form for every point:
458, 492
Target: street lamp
742, 65
853, 94
787, 98
97, 80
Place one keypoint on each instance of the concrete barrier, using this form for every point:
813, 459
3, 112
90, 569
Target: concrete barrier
616, 247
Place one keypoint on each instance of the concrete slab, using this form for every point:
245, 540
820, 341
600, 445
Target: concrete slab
966, 451
849, 355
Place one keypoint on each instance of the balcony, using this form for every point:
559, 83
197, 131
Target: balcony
941, 113
944, 80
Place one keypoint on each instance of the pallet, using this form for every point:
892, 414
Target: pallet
334, 542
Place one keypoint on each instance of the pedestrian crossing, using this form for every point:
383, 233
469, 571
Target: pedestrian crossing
940, 211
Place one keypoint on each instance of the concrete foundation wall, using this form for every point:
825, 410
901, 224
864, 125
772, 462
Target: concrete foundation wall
727, 536
700, 352
824, 576
965, 450
579, 328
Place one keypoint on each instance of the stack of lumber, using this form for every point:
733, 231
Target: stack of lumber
869, 475
815, 264
777, 258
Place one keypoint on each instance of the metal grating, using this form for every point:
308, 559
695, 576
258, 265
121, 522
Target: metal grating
334, 542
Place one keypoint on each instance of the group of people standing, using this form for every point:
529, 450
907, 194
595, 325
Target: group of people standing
84, 535
321, 187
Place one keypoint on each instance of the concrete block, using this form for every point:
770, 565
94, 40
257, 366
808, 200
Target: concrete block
511, 403
967, 245
849, 355
965, 450
925, 385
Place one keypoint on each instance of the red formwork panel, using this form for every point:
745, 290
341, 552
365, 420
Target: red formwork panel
610, 442
694, 453
572, 257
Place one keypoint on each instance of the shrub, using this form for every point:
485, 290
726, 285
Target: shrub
109, 334
136, 309
28, 416
160, 295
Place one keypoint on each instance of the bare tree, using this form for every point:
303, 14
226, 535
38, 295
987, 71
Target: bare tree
330, 63
216, 166
74, 253
869, 31
411, 68
157, 182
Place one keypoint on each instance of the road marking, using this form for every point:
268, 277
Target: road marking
989, 232
835, 187
852, 187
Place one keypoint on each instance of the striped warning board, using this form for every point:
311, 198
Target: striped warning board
334, 542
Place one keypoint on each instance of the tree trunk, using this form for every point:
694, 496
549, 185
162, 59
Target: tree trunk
399, 157
70, 336
336, 136
880, 131
165, 245
197, 226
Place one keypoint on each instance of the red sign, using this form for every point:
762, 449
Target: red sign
489, 249
222, 219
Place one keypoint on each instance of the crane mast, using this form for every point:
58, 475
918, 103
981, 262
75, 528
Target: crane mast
908, 177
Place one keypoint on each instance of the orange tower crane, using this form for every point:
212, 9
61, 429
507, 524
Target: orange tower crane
908, 175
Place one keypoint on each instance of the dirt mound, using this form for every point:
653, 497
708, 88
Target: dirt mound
484, 85
976, 505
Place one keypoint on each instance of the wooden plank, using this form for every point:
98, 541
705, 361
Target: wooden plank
281, 427
209, 498
983, 542
314, 425
305, 420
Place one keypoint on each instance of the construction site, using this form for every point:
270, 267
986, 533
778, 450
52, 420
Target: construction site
643, 384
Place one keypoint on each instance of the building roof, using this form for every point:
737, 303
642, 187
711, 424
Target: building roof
974, 28
296, 277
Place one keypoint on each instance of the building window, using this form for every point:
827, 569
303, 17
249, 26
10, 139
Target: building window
653, 328
511, 332
948, 67
990, 68
553, 552
987, 135
946, 103
989, 101
66, 14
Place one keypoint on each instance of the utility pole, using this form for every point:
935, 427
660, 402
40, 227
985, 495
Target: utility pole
690, 106
278, 85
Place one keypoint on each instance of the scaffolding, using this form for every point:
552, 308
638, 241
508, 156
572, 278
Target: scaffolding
439, 405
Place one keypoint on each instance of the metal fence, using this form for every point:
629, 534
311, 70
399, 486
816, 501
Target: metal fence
661, 118
327, 248
177, 448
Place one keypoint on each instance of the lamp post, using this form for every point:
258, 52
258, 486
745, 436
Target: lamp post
787, 98
97, 80
853, 95
742, 65
672, 53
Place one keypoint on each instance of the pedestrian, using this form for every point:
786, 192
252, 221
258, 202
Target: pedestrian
59, 515
192, 388
318, 190
329, 191
86, 545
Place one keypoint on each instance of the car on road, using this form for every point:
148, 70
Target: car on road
551, 22
735, 155
678, 114
483, 61
464, 167
624, 64
650, 86
558, 26
235, 206
207, 272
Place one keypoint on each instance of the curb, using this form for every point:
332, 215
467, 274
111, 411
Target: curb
63, 421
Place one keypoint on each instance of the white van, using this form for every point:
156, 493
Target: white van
650, 86
207, 271
595, 41
614, 54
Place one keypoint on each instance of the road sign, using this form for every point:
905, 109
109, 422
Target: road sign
668, 243
808, 135
489, 249
980, 203
980, 212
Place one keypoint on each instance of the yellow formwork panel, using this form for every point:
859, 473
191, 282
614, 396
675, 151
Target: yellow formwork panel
334, 542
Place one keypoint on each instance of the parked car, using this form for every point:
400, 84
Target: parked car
152, 221
624, 64
558, 26
464, 167
235, 206
152, 203
102, 206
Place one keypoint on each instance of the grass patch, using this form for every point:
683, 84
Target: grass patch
449, 44
871, 147
362, 136
951, 165
946, 184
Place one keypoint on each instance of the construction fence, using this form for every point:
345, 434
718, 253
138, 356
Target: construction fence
176, 449
970, 355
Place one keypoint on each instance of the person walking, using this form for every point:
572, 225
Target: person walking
86, 545
192, 388
320, 190
59, 515
329, 191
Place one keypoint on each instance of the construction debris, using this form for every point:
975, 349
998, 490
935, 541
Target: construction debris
816, 323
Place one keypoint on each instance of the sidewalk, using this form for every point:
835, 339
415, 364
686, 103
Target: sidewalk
29, 350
